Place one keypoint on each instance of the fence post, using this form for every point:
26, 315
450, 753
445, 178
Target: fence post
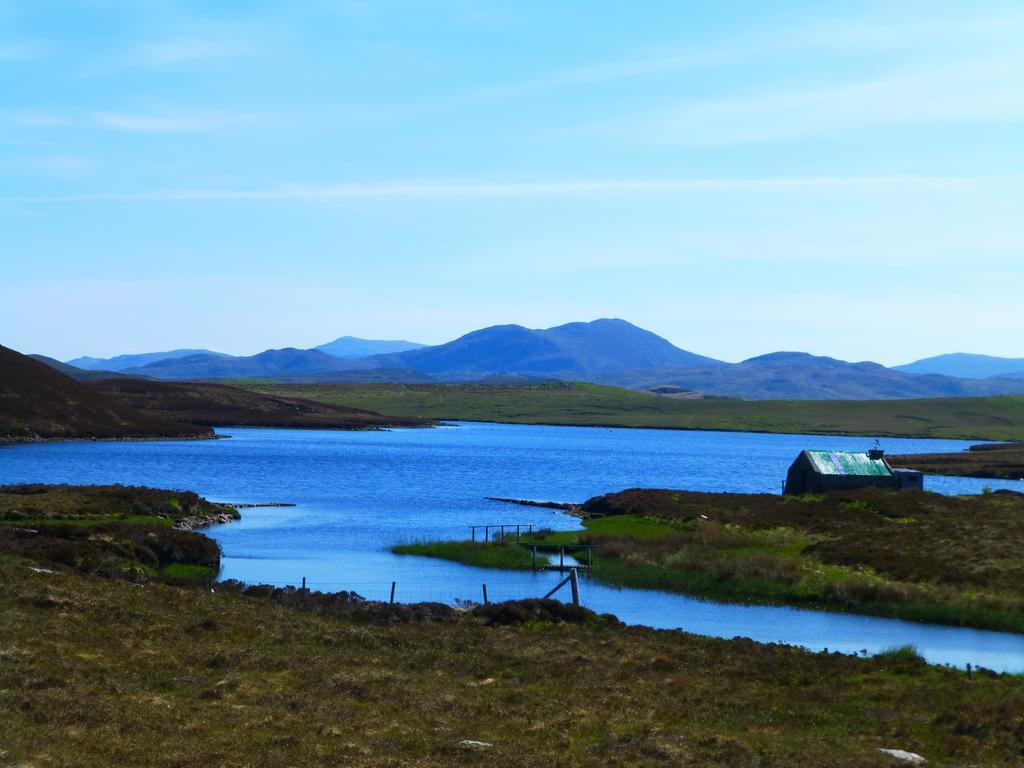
473, 529
534, 550
487, 533
517, 534
575, 585
486, 601
303, 582
392, 600
503, 533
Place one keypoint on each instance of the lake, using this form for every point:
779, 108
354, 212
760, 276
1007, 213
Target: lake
357, 493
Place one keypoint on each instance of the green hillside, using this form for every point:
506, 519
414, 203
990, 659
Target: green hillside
974, 418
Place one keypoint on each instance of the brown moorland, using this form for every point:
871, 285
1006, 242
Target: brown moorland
210, 404
912, 554
38, 402
113, 671
1001, 460
100, 672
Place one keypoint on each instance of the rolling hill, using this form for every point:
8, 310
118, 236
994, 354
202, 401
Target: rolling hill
572, 351
966, 366
273, 362
124, 362
38, 402
221, 405
351, 348
78, 374
800, 376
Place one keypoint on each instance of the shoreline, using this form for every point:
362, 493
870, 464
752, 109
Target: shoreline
812, 433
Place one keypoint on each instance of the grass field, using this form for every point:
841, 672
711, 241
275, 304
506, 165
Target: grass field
100, 672
982, 418
914, 556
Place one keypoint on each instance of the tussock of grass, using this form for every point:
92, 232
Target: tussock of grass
906, 652
490, 555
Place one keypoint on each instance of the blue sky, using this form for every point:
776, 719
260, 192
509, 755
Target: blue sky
839, 178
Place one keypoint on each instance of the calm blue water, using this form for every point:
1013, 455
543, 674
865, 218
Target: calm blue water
360, 492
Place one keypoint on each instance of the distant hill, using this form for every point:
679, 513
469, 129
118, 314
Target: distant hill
124, 362
37, 401
572, 351
270, 363
350, 347
966, 366
800, 376
75, 373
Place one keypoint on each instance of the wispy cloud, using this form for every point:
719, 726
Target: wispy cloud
883, 35
137, 122
518, 189
164, 123
183, 50
985, 89
22, 50
31, 117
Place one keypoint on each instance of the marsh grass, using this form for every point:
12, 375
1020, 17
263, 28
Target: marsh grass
919, 557
906, 652
490, 555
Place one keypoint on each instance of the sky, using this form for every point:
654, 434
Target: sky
840, 178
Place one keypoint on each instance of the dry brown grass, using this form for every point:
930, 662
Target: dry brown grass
96, 672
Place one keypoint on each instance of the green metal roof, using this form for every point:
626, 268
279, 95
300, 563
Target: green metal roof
848, 463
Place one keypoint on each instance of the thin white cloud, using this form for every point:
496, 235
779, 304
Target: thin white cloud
474, 189
36, 118
884, 35
184, 50
985, 89
158, 123
22, 50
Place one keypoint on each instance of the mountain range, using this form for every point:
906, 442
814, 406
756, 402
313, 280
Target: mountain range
351, 348
608, 351
124, 362
967, 366
800, 376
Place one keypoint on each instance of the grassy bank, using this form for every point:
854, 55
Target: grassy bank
576, 404
498, 555
914, 556
996, 461
100, 672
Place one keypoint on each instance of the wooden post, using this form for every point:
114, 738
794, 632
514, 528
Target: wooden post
502, 533
590, 557
531, 529
574, 584
486, 601
392, 600
517, 534
473, 528
558, 586
534, 550
487, 533
303, 582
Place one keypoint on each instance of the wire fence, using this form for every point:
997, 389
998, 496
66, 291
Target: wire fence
451, 593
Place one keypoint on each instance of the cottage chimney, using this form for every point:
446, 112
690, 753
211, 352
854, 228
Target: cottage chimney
875, 454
